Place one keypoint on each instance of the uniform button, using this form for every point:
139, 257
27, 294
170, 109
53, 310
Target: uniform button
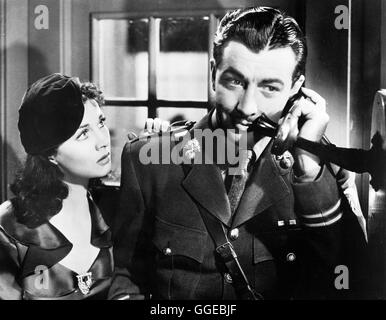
228, 278
167, 251
291, 257
234, 234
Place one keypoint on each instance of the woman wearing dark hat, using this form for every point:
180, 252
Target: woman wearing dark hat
54, 243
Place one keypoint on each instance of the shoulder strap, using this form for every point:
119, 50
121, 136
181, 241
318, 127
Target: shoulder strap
227, 253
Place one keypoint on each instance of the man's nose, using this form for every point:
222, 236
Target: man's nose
248, 104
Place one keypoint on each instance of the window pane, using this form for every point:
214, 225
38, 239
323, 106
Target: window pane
182, 67
123, 58
178, 114
121, 120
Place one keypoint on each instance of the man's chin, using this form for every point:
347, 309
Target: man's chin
241, 128
237, 133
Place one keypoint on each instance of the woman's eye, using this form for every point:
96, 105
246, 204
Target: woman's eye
83, 135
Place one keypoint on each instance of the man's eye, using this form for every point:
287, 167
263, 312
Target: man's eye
237, 82
102, 122
83, 135
271, 89
234, 82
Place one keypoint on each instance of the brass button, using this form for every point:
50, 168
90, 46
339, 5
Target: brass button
291, 257
167, 251
234, 234
228, 278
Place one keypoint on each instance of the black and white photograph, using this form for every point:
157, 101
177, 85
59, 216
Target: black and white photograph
204, 152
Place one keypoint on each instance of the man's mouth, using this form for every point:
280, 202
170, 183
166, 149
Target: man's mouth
242, 124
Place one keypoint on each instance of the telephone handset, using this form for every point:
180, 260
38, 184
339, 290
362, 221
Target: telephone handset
284, 134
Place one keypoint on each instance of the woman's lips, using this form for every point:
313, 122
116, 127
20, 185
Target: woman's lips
105, 159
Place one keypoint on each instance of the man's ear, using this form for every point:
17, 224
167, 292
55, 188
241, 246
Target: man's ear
213, 73
53, 160
297, 85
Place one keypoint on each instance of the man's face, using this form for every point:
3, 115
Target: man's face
248, 84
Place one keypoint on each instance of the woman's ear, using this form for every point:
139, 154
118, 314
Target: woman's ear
213, 73
52, 160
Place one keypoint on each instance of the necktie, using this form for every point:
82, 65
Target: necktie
238, 182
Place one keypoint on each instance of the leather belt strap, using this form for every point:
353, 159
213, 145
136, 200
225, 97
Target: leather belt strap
227, 253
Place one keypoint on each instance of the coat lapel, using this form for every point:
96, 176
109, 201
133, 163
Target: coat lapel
100, 231
205, 185
264, 188
46, 244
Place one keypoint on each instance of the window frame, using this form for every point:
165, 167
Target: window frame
152, 102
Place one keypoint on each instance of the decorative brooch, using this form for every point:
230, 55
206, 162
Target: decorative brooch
84, 282
191, 148
285, 160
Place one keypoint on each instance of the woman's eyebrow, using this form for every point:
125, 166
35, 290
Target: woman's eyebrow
83, 126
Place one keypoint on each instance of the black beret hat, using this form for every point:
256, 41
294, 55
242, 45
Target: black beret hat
50, 113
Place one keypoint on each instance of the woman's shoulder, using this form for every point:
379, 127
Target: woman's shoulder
8, 221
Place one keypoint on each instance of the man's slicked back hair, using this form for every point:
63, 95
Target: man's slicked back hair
260, 28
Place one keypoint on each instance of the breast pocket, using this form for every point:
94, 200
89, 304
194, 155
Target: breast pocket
260, 252
180, 253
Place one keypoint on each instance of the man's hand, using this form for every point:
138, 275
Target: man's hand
151, 126
311, 112
156, 125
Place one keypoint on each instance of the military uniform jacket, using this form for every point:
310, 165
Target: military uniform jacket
289, 237
30, 266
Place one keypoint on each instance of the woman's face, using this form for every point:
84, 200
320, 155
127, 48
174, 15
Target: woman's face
87, 153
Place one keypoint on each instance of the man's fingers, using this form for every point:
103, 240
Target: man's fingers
315, 98
156, 125
165, 125
131, 135
149, 125
307, 108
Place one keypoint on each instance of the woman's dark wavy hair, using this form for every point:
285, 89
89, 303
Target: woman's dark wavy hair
39, 188
259, 28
